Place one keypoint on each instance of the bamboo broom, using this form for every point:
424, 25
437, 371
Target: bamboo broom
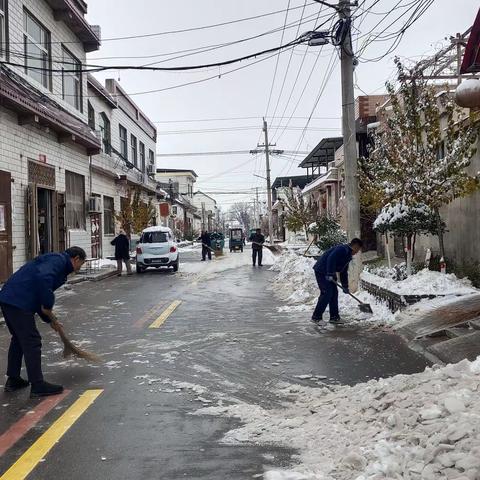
70, 348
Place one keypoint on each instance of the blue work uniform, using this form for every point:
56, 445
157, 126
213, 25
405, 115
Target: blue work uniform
335, 259
24, 294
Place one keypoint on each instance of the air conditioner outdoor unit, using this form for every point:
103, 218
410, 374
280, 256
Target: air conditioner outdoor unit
94, 205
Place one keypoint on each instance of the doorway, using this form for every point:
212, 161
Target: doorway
45, 220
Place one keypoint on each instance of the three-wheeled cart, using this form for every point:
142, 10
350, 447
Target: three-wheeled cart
236, 239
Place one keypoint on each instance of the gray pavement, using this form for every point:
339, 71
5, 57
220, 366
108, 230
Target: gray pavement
225, 342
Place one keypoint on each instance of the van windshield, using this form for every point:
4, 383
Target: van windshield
154, 237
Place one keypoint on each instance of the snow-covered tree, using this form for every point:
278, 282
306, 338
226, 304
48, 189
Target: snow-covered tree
422, 154
407, 221
328, 232
299, 214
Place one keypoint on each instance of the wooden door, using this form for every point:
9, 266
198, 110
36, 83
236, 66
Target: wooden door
6, 264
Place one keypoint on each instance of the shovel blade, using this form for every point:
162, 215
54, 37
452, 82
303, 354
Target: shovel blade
365, 308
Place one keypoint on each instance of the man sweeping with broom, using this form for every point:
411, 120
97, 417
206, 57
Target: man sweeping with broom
29, 291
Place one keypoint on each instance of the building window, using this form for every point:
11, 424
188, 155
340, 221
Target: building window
3, 28
75, 200
91, 116
123, 142
151, 157
141, 148
37, 49
104, 125
133, 148
108, 216
72, 80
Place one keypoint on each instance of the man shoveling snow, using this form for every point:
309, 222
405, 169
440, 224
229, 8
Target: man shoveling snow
335, 259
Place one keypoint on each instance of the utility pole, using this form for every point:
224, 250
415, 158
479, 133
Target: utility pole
348, 125
269, 186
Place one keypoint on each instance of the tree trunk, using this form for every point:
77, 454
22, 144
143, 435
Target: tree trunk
409, 254
440, 233
387, 249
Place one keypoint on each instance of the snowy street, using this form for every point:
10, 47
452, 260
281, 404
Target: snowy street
219, 387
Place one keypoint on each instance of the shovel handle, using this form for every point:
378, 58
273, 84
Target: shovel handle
349, 293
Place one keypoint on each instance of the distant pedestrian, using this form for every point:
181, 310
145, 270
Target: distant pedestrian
29, 291
122, 252
206, 240
334, 260
257, 240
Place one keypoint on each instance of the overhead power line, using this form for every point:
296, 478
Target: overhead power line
226, 152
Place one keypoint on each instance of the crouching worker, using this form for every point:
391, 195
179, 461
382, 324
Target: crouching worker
29, 291
335, 259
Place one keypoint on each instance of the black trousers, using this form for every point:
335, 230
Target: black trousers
26, 343
257, 253
206, 251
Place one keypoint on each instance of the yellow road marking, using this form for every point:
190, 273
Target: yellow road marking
30, 459
165, 314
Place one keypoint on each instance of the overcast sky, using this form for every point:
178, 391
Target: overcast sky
246, 93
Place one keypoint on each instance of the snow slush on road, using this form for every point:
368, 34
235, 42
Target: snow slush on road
422, 426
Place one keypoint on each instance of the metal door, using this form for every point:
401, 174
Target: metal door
5, 226
96, 235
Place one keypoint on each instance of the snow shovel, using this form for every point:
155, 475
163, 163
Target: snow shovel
70, 348
275, 249
364, 307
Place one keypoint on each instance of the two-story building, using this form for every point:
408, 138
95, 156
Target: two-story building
180, 185
45, 140
125, 164
207, 209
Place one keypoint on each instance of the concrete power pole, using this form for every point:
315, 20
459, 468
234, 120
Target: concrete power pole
350, 140
269, 186
348, 126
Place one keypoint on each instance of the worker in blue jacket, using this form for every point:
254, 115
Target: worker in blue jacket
335, 259
27, 292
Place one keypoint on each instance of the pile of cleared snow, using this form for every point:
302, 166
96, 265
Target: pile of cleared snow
295, 284
425, 282
424, 426
225, 262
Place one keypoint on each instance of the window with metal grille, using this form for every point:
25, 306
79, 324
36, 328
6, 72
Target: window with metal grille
133, 148
37, 49
108, 215
75, 200
123, 142
141, 149
91, 116
72, 80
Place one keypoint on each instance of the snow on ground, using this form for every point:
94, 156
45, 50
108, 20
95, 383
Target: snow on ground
295, 284
415, 427
184, 247
225, 262
424, 282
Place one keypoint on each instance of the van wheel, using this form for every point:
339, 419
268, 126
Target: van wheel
175, 267
139, 269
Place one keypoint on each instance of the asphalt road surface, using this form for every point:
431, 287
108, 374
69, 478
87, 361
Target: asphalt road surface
173, 343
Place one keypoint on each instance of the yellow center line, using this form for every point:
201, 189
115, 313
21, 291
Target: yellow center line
30, 459
165, 314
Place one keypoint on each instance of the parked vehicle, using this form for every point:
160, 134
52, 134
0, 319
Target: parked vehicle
217, 242
157, 248
236, 239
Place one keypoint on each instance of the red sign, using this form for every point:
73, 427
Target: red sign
164, 209
42, 158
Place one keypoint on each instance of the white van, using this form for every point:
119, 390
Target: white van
157, 248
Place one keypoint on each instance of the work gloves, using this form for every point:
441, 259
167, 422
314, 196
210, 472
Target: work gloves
331, 278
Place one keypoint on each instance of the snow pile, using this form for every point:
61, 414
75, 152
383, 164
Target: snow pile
394, 213
295, 284
227, 261
424, 426
425, 282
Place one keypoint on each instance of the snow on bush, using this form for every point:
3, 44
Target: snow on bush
425, 282
415, 427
